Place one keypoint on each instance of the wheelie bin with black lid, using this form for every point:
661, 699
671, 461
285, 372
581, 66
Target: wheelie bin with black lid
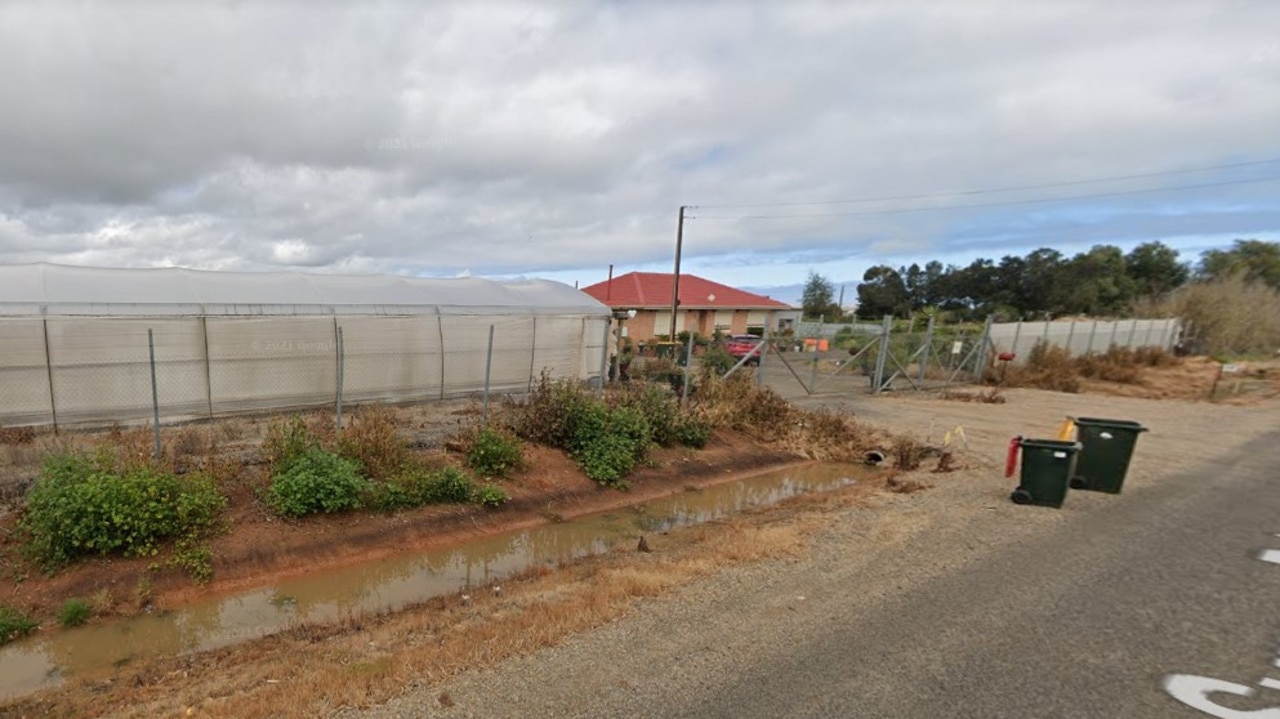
1106, 448
1047, 467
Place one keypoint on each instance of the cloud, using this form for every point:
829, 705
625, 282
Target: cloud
500, 138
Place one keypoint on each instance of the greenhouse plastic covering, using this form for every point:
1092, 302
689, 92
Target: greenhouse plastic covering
76, 343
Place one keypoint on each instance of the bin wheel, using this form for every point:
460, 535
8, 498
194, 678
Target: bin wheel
1078, 483
1020, 496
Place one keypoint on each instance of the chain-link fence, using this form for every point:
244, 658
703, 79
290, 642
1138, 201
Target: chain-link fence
930, 355
70, 371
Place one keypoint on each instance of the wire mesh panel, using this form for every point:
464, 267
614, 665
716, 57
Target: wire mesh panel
558, 346
390, 358
24, 376
466, 342
102, 368
272, 363
593, 347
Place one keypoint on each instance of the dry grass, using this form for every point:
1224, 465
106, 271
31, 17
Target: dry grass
1227, 317
1050, 367
989, 396
314, 669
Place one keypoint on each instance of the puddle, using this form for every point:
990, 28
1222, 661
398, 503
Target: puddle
98, 648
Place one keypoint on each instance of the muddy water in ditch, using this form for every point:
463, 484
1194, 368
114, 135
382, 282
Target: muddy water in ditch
389, 584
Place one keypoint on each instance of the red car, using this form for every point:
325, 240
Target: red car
740, 346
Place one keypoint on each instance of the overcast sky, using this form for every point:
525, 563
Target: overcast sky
557, 138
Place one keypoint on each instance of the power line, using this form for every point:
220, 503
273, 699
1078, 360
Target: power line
991, 190
903, 210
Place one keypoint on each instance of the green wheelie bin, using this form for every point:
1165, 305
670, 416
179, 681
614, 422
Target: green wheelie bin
1047, 467
1107, 446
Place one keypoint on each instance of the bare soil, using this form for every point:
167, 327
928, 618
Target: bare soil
259, 548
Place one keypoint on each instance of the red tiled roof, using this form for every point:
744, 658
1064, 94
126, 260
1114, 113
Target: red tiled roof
640, 290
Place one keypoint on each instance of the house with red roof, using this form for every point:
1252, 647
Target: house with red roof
704, 306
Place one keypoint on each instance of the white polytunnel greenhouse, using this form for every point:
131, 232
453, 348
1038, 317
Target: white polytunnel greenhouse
76, 343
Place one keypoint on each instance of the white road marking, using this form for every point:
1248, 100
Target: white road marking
1270, 683
1194, 691
1270, 555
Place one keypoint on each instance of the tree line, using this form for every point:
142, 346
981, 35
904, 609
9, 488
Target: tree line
1045, 283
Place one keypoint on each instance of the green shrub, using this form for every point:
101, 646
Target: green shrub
450, 484
609, 442
314, 480
717, 360
494, 453
658, 406
549, 415
82, 505
418, 487
491, 495
74, 612
607, 459
14, 625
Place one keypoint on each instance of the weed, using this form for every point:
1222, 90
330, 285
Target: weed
491, 495
189, 441
142, 592
313, 480
74, 612
371, 440
449, 484
1048, 366
907, 452
989, 396
549, 415
692, 431
14, 625
84, 504
494, 453
194, 558
717, 360
17, 435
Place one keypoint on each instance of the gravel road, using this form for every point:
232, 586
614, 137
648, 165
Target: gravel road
876, 576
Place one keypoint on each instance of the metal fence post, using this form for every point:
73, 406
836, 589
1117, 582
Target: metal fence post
604, 359
926, 349
488, 367
1146, 341
1071, 333
1133, 328
1044, 338
688, 365
1017, 332
764, 350
883, 355
155, 393
533, 354
48, 365
342, 361
981, 367
1092, 331
208, 364
1115, 325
